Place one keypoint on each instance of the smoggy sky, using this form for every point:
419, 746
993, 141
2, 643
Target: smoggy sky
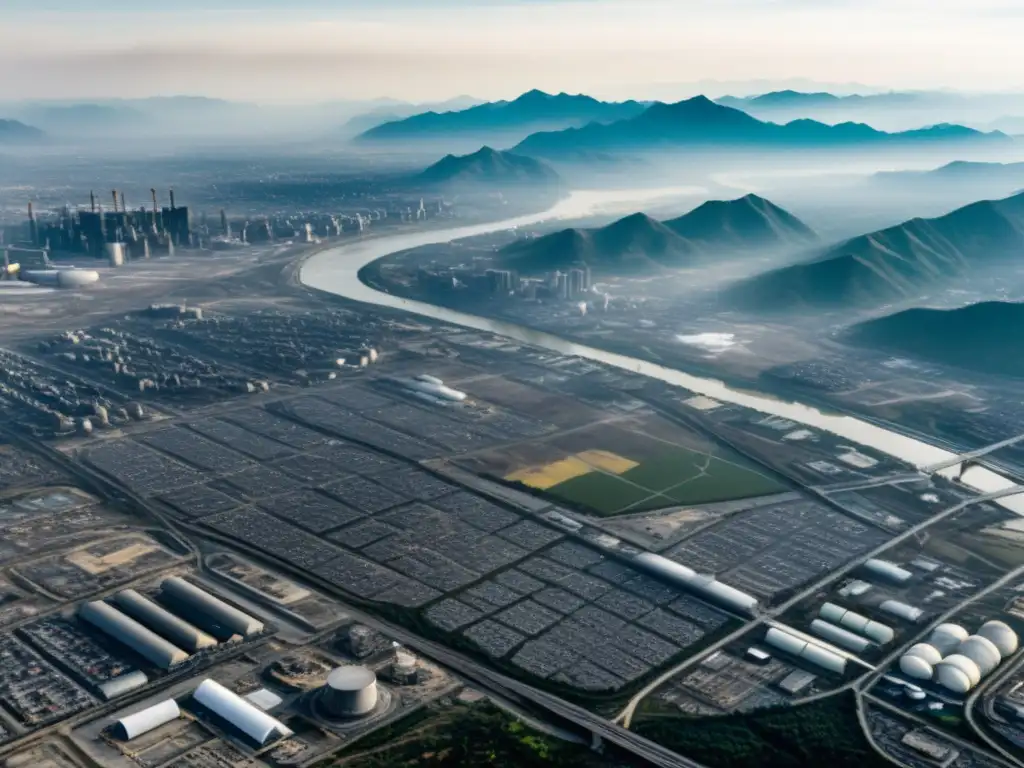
306, 50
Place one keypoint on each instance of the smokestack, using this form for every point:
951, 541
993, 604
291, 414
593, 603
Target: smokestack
32, 228
124, 208
156, 212
114, 194
223, 222
92, 201
172, 199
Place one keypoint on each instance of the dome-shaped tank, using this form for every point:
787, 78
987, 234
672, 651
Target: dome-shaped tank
924, 651
77, 278
957, 673
1001, 636
350, 692
946, 637
982, 652
916, 667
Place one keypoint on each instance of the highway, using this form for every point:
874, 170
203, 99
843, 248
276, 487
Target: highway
975, 454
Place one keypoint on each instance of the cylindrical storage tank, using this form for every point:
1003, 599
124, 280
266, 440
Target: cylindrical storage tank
916, 667
880, 633
784, 641
77, 278
163, 622
249, 719
126, 630
350, 692
839, 636
1001, 636
947, 637
982, 652
832, 613
724, 595
901, 610
127, 728
187, 594
888, 570
957, 674
924, 651
823, 658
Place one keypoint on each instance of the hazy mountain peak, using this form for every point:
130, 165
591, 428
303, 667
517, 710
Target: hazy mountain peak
489, 167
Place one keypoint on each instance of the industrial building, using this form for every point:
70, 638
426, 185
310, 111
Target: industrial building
123, 684
144, 721
126, 630
243, 715
163, 622
887, 570
704, 586
956, 660
839, 636
211, 613
349, 692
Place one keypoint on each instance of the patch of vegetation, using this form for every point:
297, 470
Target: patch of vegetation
825, 732
466, 736
605, 494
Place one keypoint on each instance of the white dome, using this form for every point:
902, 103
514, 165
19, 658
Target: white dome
952, 679
1002, 637
962, 663
915, 667
946, 637
982, 652
926, 652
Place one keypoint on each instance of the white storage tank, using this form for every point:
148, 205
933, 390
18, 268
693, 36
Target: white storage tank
947, 637
925, 651
916, 667
957, 673
888, 570
1001, 636
982, 652
862, 625
839, 636
350, 692
901, 610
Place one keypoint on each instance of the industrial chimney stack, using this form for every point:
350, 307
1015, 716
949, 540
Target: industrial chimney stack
114, 195
172, 199
92, 201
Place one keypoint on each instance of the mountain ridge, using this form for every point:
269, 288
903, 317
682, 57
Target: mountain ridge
488, 166
638, 243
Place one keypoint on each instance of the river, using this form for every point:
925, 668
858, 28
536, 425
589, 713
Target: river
336, 270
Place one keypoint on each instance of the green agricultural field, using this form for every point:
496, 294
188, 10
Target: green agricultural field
674, 476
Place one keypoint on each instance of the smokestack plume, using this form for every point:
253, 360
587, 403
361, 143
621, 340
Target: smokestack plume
92, 201
172, 199
114, 194
32, 228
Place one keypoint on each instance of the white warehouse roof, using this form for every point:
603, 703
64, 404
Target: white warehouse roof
705, 586
257, 725
148, 719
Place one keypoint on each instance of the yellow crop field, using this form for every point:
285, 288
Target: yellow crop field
608, 461
547, 476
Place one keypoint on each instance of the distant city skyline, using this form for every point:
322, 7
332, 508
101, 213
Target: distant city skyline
315, 50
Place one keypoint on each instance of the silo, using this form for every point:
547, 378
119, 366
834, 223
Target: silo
1001, 636
197, 601
350, 692
947, 637
982, 652
163, 622
130, 726
126, 630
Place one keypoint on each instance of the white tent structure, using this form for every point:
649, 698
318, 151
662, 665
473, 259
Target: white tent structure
249, 719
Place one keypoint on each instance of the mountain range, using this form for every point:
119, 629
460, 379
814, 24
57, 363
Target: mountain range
638, 243
957, 172
15, 132
701, 122
530, 112
986, 338
892, 264
396, 111
488, 167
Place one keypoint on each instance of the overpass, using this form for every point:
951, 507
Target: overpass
971, 455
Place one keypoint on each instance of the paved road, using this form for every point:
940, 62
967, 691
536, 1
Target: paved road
975, 454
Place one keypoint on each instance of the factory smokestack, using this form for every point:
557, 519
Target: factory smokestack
114, 194
124, 208
33, 230
92, 201
224, 223
172, 199
156, 211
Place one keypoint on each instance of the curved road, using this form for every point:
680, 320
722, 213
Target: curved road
336, 270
